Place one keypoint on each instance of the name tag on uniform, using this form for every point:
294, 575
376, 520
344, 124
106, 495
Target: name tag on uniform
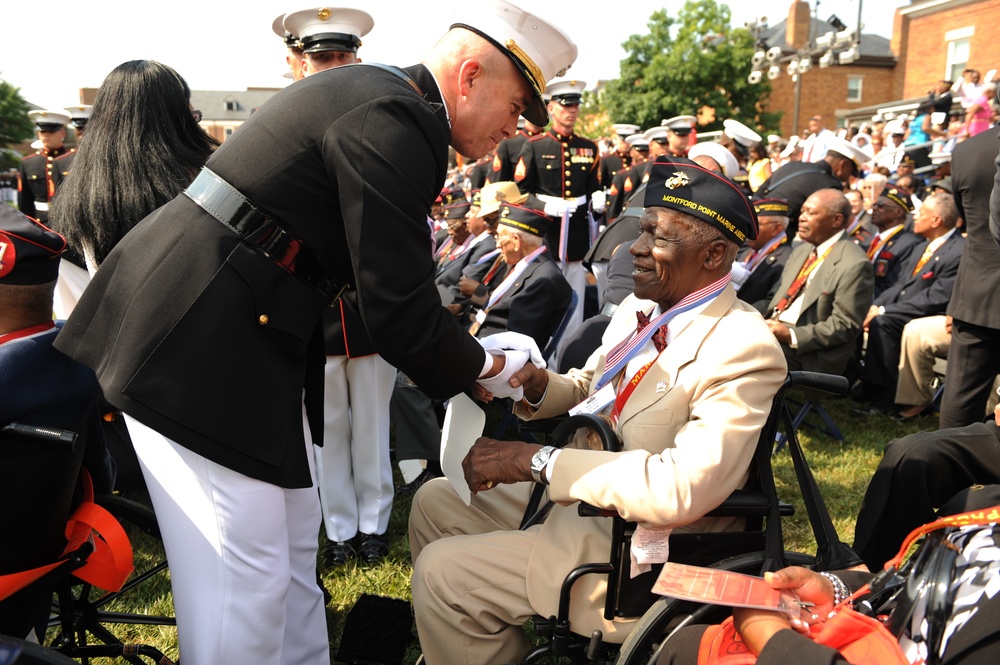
596, 402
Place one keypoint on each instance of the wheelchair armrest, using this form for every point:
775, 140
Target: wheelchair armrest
748, 503
741, 503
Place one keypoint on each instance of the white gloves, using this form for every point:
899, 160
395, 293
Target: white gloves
518, 350
513, 341
598, 201
558, 207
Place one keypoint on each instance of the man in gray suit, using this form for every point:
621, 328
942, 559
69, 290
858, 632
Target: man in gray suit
825, 289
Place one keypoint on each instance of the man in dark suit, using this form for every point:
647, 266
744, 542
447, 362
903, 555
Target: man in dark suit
825, 289
761, 267
973, 361
890, 249
924, 289
202, 325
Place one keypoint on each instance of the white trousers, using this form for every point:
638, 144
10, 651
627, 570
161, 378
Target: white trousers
242, 557
353, 468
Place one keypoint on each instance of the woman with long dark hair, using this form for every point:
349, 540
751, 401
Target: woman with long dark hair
143, 147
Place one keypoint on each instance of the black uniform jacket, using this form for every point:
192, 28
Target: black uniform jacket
564, 167
506, 154
39, 176
795, 182
211, 343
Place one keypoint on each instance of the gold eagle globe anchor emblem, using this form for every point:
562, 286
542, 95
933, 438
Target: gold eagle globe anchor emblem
678, 179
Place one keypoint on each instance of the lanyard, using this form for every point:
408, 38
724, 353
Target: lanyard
619, 356
24, 333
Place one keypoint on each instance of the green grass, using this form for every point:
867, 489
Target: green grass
842, 471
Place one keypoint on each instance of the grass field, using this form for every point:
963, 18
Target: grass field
842, 471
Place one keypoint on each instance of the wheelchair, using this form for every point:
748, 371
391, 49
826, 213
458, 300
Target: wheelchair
59, 598
757, 549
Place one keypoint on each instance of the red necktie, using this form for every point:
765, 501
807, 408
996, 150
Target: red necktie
659, 337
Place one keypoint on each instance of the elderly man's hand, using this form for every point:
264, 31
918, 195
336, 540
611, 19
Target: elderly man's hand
873, 311
467, 286
780, 331
534, 380
491, 462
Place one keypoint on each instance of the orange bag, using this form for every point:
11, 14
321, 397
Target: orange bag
860, 639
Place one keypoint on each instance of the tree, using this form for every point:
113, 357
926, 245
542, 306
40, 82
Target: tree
15, 125
700, 66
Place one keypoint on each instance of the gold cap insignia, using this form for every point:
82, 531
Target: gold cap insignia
678, 179
505, 212
323, 13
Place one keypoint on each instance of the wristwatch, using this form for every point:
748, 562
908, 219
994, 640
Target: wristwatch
538, 462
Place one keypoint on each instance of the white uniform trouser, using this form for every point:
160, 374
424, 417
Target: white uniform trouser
242, 555
353, 468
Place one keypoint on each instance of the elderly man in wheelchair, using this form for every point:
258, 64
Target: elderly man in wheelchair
687, 392
39, 388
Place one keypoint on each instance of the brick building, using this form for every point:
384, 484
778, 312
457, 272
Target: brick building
826, 91
222, 110
937, 39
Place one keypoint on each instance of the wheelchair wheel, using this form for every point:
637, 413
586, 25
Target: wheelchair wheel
83, 616
21, 652
669, 614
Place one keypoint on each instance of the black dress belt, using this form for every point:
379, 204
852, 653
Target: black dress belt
224, 202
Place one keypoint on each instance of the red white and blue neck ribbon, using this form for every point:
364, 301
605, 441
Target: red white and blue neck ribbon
619, 356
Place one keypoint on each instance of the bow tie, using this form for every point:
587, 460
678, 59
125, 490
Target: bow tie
659, 337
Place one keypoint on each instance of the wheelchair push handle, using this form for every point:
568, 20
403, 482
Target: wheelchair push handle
829, 383
565, 430
52, 435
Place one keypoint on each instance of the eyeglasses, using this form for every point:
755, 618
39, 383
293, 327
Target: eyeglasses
196, 114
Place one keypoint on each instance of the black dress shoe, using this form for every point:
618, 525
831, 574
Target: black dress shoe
410, 488
374, 547
339, 552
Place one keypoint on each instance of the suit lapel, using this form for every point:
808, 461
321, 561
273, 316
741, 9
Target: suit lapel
681, 351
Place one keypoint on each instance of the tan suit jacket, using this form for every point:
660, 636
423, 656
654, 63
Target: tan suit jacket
688, 431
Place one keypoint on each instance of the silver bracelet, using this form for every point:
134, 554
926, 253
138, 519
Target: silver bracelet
840, 590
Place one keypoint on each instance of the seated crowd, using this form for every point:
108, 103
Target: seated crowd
706, 272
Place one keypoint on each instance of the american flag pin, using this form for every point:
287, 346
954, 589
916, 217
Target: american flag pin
661, 387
